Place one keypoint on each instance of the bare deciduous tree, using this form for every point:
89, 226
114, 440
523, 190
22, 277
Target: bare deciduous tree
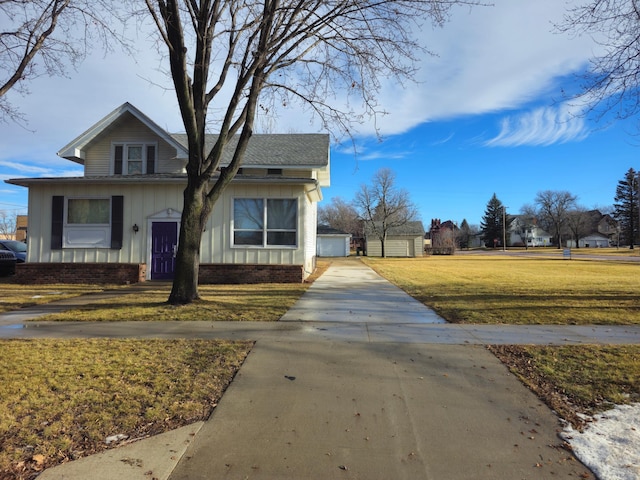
578, 223
384, 206
47, 37
7, 224
613, 80
245, 56
553, 210
341, 215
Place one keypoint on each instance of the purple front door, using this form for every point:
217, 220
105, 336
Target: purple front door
164, 239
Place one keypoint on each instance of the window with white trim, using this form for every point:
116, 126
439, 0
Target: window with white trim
87, 222
265, 222
134, 158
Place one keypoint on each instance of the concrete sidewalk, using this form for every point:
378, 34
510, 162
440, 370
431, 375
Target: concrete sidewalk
345, 387
377, 411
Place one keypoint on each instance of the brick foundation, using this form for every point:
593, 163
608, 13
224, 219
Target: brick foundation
117, 273
125, 273
219, 273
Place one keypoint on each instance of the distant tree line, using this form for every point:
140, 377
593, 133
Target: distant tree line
559, 214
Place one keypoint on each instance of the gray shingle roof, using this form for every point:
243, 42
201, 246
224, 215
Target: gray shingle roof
275, 150
410, 228
327, 230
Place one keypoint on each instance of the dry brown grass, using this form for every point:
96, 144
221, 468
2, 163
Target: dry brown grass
492, 289
13, 296
60, 399
576, 379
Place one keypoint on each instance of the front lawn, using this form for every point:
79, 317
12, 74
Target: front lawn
259, 303
524, 291
61, 399
15, 296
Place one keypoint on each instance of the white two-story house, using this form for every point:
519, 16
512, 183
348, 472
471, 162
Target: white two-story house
126, 208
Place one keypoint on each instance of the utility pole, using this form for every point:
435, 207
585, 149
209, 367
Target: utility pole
504, 228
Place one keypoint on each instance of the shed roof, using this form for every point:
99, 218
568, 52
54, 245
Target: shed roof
327, 230
414, 228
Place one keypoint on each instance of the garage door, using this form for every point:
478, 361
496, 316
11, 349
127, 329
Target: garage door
399, 248
332, 247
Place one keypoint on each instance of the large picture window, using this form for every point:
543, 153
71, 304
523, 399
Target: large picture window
265, 222
134, 159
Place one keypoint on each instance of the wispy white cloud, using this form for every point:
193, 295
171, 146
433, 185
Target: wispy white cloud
31, 170
444, 140
542, 126
24, 168
494, 58
384, 155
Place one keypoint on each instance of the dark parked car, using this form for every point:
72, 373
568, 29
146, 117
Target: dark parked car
7, 262
18, 248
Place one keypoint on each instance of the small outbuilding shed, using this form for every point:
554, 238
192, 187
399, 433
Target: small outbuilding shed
402, 241
331, 242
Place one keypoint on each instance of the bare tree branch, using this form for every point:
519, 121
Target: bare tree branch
47, 37
612, 83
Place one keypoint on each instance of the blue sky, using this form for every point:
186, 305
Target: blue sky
486, 115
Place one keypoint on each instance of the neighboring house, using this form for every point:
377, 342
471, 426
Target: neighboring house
593, 240
442, 237
524, 228
603, 231
21, 227
332, 242
126, 209
404, 241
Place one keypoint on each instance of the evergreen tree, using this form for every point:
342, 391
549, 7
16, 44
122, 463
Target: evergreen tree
626, 207
464, 235
492, 223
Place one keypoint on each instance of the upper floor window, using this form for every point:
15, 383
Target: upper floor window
134, 158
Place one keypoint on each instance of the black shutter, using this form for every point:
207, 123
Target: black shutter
151, 159
57, 221
117, 161
117, 222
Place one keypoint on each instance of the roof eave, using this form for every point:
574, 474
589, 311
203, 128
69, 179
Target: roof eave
124, 179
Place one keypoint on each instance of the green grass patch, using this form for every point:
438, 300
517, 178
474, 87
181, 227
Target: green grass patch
60, 399
492, 289
577, 379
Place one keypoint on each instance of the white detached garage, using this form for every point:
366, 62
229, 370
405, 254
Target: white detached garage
331, 242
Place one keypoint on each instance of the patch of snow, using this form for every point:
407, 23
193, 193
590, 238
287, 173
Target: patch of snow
610, 443
115, 438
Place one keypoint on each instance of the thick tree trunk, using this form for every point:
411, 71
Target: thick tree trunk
194, 219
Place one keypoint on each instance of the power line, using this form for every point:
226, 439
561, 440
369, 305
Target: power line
13, 205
